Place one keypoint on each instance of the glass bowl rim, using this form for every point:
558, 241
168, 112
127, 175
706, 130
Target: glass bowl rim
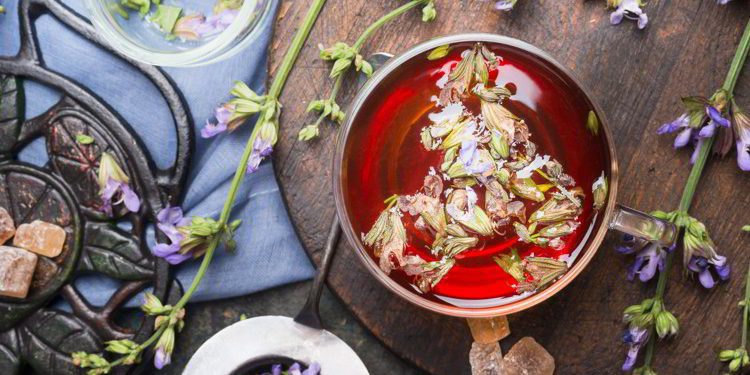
485, 312
100, 17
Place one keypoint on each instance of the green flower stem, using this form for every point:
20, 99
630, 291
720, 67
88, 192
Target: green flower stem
278, 84
383, 20
143, 346
691, 185
273, 94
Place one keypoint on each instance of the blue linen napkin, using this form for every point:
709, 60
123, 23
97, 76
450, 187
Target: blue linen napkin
268, 252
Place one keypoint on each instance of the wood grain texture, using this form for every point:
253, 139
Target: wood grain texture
638, 78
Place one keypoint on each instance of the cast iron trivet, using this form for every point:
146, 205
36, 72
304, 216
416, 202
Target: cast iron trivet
34, 336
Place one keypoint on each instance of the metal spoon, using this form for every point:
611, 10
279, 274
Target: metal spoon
302, 339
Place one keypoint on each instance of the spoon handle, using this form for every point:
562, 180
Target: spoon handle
310, 313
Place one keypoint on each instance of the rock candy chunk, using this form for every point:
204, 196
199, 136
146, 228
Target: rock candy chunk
40, 237
527, 357
489, 330
16, 271
7, 228
486, 359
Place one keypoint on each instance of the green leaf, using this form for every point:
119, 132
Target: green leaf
11, 111
746, 228
439, 52
113, 252
592, 123
166, 17
84, 139
49, 337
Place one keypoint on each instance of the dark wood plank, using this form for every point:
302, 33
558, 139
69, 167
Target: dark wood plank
638, 78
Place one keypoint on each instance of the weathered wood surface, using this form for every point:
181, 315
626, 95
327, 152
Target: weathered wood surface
638, 78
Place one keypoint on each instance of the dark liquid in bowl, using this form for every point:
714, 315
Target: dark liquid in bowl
384, 156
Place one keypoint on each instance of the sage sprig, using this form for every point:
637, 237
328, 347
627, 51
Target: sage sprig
207, 233
345, 57
698, 244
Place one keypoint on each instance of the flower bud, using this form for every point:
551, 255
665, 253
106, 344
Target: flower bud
429, 13
726, 355
308, 132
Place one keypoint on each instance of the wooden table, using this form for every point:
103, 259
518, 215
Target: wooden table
638, 78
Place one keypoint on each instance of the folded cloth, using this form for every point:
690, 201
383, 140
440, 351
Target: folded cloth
268, 251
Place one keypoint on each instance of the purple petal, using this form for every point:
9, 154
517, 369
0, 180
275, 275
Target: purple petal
743, 156
177, 258
716, 116
683, 138
616, 17
467, 152
224, 113
170, 215
631, 357
708, 130
294, 369
254, 162
694, 265
130, 198
211, 130
706, 279
504, 5
110, 188
642, 21
314, 369
633, 269
677, 124
171, 232
161, 359
163, 250
276, 370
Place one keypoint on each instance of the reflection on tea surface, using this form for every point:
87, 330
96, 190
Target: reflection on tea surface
486, 167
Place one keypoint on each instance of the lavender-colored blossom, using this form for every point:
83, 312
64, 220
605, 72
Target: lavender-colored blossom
162, 358
635, 338
472, 159
261, 149
715, 120
223, 115
723, 2
648, 257
709, 270
295, 369
505, 5
682, 124
216, 23
630, 9
169, 220
114, 186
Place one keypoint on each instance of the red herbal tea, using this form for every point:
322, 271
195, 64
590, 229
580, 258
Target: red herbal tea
386, 155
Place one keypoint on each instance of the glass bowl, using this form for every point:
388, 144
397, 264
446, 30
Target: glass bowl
141, 40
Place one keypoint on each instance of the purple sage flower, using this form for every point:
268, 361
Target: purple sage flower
630, 9
265, 138
472, 158
635, 338
723, 2
314, 369
648, 257
223, 115
710, 270
162, 358
169, 220
114, 186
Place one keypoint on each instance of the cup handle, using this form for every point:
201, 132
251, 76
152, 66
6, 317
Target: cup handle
644, 226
